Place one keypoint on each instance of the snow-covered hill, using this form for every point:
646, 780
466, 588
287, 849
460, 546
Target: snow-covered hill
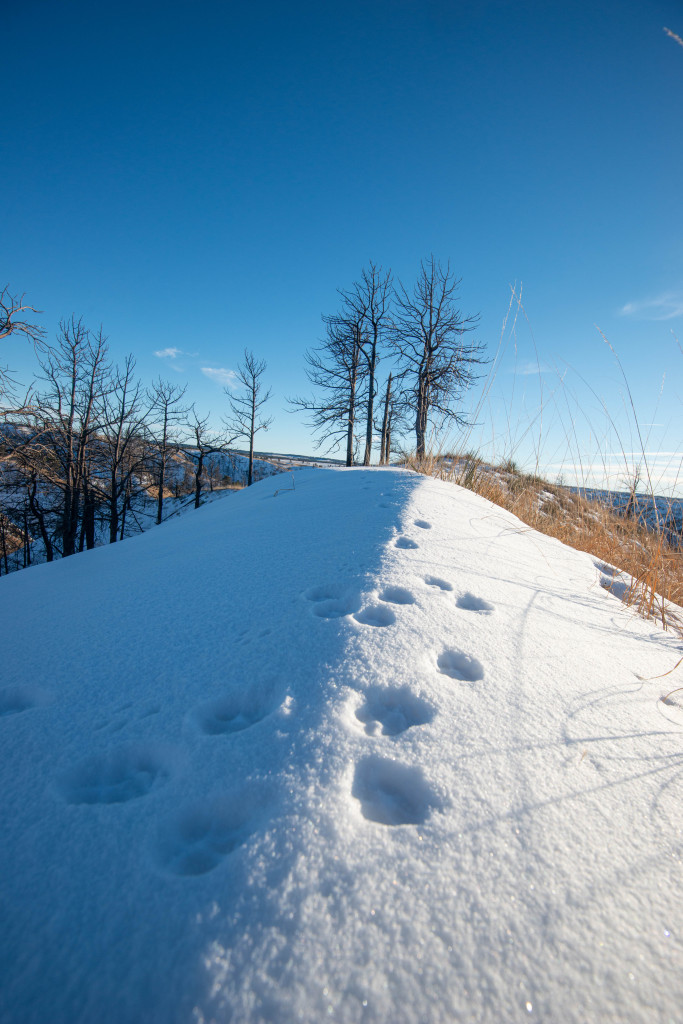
352, 745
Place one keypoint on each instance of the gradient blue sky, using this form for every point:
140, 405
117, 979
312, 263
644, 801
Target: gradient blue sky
202, 177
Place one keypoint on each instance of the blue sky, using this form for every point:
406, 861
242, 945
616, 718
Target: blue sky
202, 178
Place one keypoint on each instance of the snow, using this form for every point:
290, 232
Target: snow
363, 748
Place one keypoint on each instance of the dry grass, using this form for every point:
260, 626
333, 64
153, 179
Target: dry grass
11, 540
652, 567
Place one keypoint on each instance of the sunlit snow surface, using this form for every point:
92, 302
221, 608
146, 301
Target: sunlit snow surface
364, 750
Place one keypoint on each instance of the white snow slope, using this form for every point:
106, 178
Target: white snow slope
368, 750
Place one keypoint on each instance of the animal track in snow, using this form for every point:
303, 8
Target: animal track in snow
406, 543
392, 710
613, 580
434, 581
470, 603
15, 699
423, 524
202, 835
333, 601
397, 595
460, 666
391, 793
617, 587
153, 710
609, 570
112, 725
375, 615
115, 777
231, 713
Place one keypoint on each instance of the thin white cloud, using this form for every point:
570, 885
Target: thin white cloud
168, 353
532, 369
228, 378
663, 307
647, 455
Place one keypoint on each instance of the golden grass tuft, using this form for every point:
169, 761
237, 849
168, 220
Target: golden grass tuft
653, 568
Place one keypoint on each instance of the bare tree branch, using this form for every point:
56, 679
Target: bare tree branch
246, 419
164, 399
438, 365
368, 303
202, 442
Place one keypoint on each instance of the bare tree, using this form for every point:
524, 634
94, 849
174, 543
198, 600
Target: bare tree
167, 412
395, 417
368, 304
246, 419
437, 364
41, 513
123, 440
335, 370
202, 442
385, 437
62, 428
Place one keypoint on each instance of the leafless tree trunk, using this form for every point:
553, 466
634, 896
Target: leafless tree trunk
63, 423
3, 545
428, 340
202, 442
165, 406
354, 361
368, 303
123, 440
246, 419
27, 537
335, 370
384, 450
38, 513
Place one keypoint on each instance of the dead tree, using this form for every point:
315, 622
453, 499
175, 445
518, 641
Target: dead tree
41, 512
335, 369
246, 419
368, 303
202, 442
65, 423
166, 413
385, 437
395, 412
123, 440
427, 337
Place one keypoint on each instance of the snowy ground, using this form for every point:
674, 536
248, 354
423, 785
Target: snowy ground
367, 750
